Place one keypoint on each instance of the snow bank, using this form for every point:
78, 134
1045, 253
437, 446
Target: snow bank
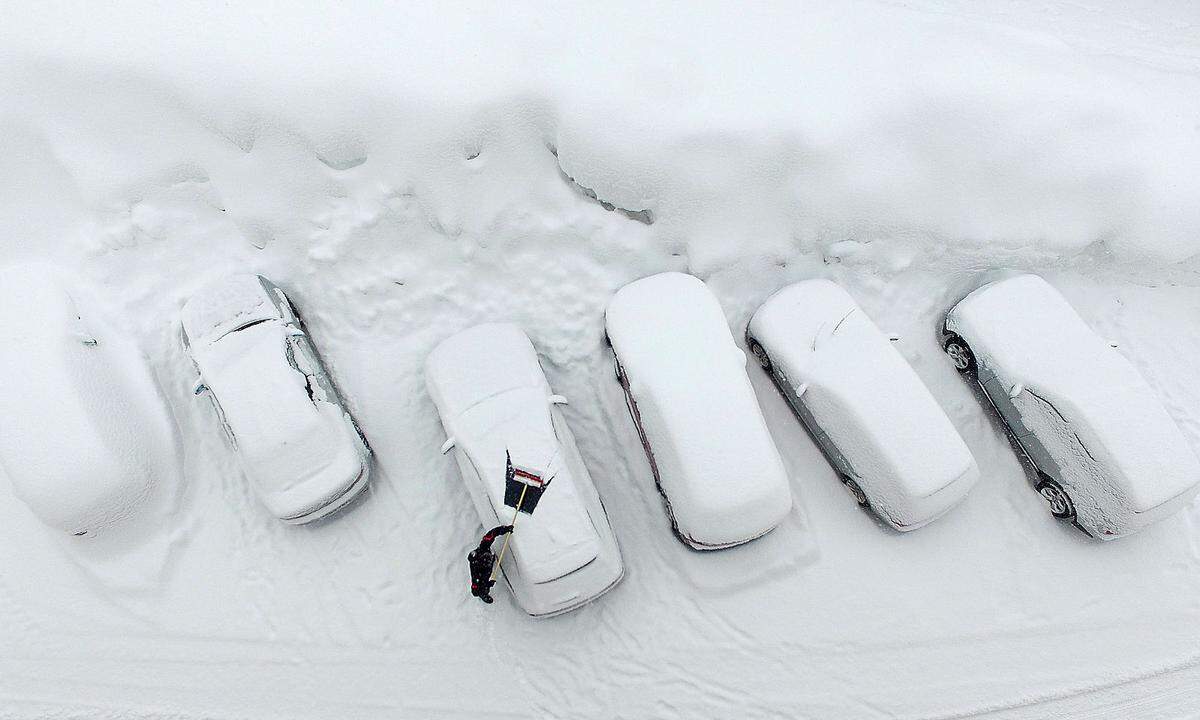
797, 126
1060, 371
905, 453
720, 472
81, 412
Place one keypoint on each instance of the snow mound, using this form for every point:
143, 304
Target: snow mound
81, 411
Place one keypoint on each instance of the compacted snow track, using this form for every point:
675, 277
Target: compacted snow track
414, 200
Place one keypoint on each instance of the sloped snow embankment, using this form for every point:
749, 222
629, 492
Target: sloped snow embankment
394, 173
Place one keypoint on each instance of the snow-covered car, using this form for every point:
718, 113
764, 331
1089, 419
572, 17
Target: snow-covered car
1108, 456
685, 382
85, 432
495, 403
297, 443
870, 414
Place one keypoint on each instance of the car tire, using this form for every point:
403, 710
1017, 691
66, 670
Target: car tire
760, 354
856, 492
1057, 498
959, 352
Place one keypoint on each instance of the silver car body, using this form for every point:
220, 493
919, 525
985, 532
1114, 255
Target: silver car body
279, 409
494, 402
1076, 407
872, 416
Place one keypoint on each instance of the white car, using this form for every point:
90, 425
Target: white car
1108, 455
868, 411
300, 448
685, 383
495, 402
85, 433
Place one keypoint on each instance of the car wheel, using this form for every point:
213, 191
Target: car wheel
959, 352
759, 354
1059, 501
856, 492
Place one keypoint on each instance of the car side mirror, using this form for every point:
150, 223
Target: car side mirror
1016, 390
447, 446
199, 387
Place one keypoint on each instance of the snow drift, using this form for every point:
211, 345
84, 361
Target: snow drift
83, 422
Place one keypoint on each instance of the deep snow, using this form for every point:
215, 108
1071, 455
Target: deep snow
405, 173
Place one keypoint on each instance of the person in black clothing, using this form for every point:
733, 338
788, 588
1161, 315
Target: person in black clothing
481, 561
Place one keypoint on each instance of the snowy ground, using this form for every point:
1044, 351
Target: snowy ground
406, 173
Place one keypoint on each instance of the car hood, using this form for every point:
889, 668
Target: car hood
226, 305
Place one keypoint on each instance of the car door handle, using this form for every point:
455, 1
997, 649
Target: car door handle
447, 446
557, 400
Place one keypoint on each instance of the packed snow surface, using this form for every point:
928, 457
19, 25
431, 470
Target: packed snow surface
905, 452
718, 466
1029, 335
406, 173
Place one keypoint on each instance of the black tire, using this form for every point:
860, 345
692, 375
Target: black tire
756, 349
856, 492
959, 352
1057, 498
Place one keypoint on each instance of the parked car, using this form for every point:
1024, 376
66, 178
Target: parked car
276, 403
1108, 456
496, 404
713, 459
86, 433
877, 423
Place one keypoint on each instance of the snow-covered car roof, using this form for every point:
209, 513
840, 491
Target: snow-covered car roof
494, 400
228, 304
864, 395
718, 465
77, 405
1029, 335
480, 362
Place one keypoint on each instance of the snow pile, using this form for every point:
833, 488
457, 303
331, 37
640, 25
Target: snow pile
1060, 371
903, 449
82, 415
717, 464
